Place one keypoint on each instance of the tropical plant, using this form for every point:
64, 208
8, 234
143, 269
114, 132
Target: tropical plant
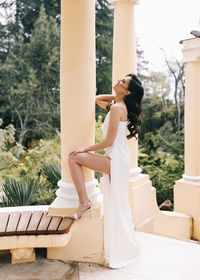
20, 192
52, 173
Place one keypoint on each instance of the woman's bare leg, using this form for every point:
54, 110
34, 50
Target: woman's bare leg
79, 180
93, 161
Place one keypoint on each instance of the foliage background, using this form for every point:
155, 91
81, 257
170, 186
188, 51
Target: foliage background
29, 99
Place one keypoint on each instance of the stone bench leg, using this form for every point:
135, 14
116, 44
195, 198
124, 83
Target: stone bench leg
22, 255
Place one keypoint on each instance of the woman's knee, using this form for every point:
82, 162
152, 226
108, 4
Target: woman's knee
74, 158
71, 158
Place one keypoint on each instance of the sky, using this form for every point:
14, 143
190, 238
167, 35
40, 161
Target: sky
162, 24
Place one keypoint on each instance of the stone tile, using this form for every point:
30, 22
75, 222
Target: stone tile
41, 269
171, 258
162, 258
98, 272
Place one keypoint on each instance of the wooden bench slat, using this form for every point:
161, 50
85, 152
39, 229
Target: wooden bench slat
34, 222
23, 223
52, 228
44, 223
3, 222
13, 222
65, 225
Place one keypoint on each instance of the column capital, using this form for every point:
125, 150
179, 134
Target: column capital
133, 1
191, 59
191, 50
192, 179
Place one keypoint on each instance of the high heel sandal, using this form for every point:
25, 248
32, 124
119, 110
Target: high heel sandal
75, 216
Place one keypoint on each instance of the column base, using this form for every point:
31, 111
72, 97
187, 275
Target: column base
196, 228
97, 212
135, 173
147, 216
67, 200
187, 200
141, 202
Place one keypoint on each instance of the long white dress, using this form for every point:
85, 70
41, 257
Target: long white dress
121, 244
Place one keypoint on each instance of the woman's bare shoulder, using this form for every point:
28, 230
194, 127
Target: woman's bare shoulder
116, 107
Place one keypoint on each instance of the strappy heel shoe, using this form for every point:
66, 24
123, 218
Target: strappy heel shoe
75, 216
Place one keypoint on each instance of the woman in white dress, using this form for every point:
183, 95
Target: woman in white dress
121, 245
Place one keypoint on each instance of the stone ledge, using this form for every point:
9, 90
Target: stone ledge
173, 224
35, 241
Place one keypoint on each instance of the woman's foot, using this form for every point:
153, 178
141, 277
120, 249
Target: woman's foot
81, 209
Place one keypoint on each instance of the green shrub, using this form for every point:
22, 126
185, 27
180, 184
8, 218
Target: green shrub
52, 173
20, 192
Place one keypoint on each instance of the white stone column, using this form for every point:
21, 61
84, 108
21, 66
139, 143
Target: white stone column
124, 57
125, 62
77, 98
187, 190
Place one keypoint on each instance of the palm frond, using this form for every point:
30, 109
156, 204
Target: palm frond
20, 193
52, 173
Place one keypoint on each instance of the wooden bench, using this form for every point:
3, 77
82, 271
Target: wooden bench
24, 228
33, 222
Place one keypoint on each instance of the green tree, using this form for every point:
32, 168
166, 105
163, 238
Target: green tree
7, 142
104, 33
177, 74
24, 13
164, 162
31, 81
157, 106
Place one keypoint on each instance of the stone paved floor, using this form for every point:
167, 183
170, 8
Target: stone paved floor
162, 259
41, 269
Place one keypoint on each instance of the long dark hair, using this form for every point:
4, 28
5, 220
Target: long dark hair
133, 105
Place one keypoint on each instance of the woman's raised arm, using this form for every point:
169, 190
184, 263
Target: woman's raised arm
103, 100
105, 97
